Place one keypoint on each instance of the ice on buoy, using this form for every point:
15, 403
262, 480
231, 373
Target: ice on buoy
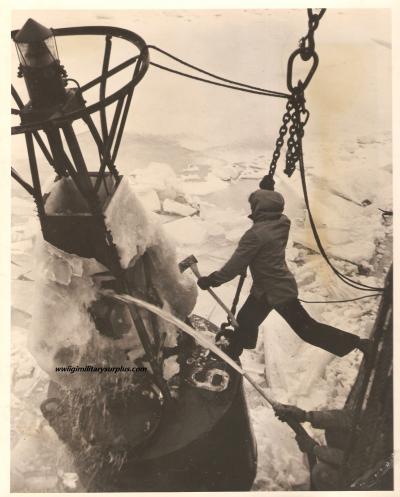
149, 199
63, 331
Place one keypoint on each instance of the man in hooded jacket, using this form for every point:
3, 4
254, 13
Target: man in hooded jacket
262, 248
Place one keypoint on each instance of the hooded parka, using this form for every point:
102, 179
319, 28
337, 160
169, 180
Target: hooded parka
262, 248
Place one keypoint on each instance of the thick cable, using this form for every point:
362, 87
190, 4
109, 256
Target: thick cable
339, 301
237, 83
355, 284
196, 78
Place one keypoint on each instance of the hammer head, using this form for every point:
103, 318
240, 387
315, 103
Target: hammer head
189, 261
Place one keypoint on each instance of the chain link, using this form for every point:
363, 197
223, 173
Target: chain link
296, 115
296, 133
286, 119
307, 43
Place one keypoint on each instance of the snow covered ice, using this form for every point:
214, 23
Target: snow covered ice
209, 170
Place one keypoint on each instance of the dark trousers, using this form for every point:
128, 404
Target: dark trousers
254, 311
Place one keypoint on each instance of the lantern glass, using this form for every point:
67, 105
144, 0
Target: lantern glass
38, 54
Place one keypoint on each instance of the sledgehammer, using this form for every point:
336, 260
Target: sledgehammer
191, 262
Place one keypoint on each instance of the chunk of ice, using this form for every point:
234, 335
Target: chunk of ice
173, 207
211, 184
159, 177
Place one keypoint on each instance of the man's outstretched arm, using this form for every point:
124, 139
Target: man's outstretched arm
248, 247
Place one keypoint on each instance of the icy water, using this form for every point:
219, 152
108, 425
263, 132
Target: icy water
213, 140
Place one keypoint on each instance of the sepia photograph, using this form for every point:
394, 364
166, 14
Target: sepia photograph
201, 250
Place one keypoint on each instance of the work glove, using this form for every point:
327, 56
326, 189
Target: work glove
284, 412
267, 183
204, 282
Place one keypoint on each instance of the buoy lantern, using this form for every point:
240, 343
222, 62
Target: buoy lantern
40, 65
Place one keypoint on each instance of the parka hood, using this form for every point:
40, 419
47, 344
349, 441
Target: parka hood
266, 204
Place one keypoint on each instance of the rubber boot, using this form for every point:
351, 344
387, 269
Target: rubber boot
231, 342
235, 348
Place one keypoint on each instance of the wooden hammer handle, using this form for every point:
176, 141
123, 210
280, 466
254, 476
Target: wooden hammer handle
226, 309
196, 272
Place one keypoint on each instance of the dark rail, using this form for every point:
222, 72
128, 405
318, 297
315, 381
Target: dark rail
143, 61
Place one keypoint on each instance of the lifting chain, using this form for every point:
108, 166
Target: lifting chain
287, 117
307, 43
294, 120
296, 133
296, 116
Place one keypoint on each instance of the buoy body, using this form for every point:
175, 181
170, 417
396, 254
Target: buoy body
203, 441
